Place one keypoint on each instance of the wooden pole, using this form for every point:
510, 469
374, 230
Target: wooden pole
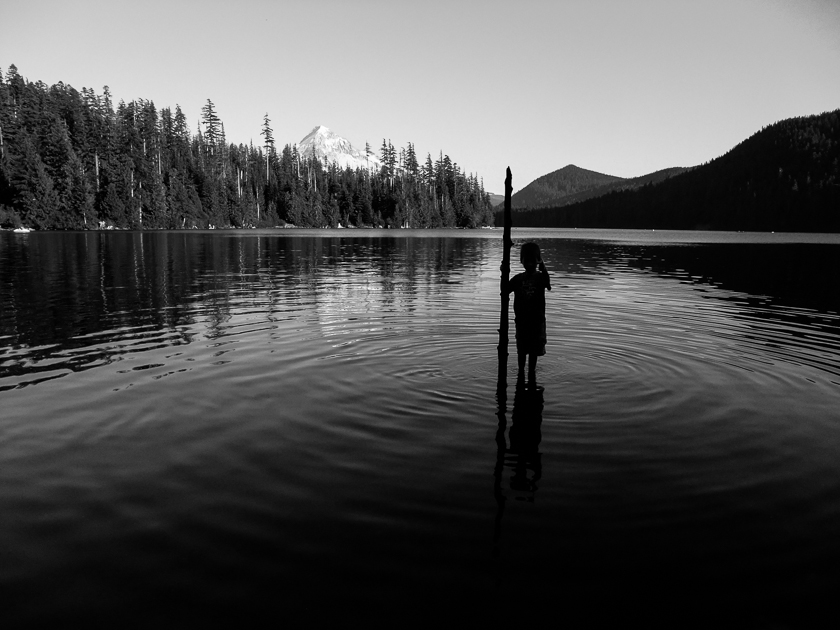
503, 290
501, 383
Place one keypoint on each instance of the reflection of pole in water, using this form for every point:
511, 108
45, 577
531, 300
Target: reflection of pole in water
519, 452
525, 434
501, 448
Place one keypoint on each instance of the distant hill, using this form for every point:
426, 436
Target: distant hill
572, 184
551, 189
496, 199
785, 177
621, 184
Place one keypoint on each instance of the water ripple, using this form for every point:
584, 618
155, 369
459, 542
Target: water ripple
302, 415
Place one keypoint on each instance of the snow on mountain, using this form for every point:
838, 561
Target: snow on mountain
329, 146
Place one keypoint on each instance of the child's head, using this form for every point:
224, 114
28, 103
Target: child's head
529, 255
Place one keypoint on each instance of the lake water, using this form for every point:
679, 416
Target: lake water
206, 426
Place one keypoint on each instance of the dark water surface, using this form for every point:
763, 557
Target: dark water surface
198, 427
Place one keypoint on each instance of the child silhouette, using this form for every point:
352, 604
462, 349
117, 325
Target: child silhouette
529, 309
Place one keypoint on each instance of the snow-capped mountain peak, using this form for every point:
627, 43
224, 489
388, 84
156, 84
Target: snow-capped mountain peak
328, 146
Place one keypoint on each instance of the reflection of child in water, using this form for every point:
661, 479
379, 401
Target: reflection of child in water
529, 307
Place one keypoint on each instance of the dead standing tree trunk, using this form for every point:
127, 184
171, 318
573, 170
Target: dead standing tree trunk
503, 289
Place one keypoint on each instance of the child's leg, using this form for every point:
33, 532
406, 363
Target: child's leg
521, 356
532, 367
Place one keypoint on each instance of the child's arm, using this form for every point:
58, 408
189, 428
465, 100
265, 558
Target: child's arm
543, 270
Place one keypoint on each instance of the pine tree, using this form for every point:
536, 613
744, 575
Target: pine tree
212, 123
428, 172
383, 157
79, 201
107, 105
268, 135
411, 160
38, 198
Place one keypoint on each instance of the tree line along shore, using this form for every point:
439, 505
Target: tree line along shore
71, 160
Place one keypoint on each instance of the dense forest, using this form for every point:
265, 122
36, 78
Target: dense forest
785, 177
72, 160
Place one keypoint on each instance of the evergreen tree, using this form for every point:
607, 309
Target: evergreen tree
211, 123
411, 160
268, 136
37, 196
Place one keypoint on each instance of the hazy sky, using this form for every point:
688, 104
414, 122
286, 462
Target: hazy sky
615, 86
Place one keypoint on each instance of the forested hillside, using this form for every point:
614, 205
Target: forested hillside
572, 184
786, 177
73, 160
555, 186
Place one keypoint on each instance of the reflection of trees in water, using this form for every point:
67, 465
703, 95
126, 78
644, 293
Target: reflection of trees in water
770, 284
796, 275
390, 274
792, 275
65, 292
58, 288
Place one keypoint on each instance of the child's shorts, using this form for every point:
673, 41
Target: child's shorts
531, 339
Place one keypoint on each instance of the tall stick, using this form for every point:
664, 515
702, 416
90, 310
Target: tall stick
501, 383
503, 288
